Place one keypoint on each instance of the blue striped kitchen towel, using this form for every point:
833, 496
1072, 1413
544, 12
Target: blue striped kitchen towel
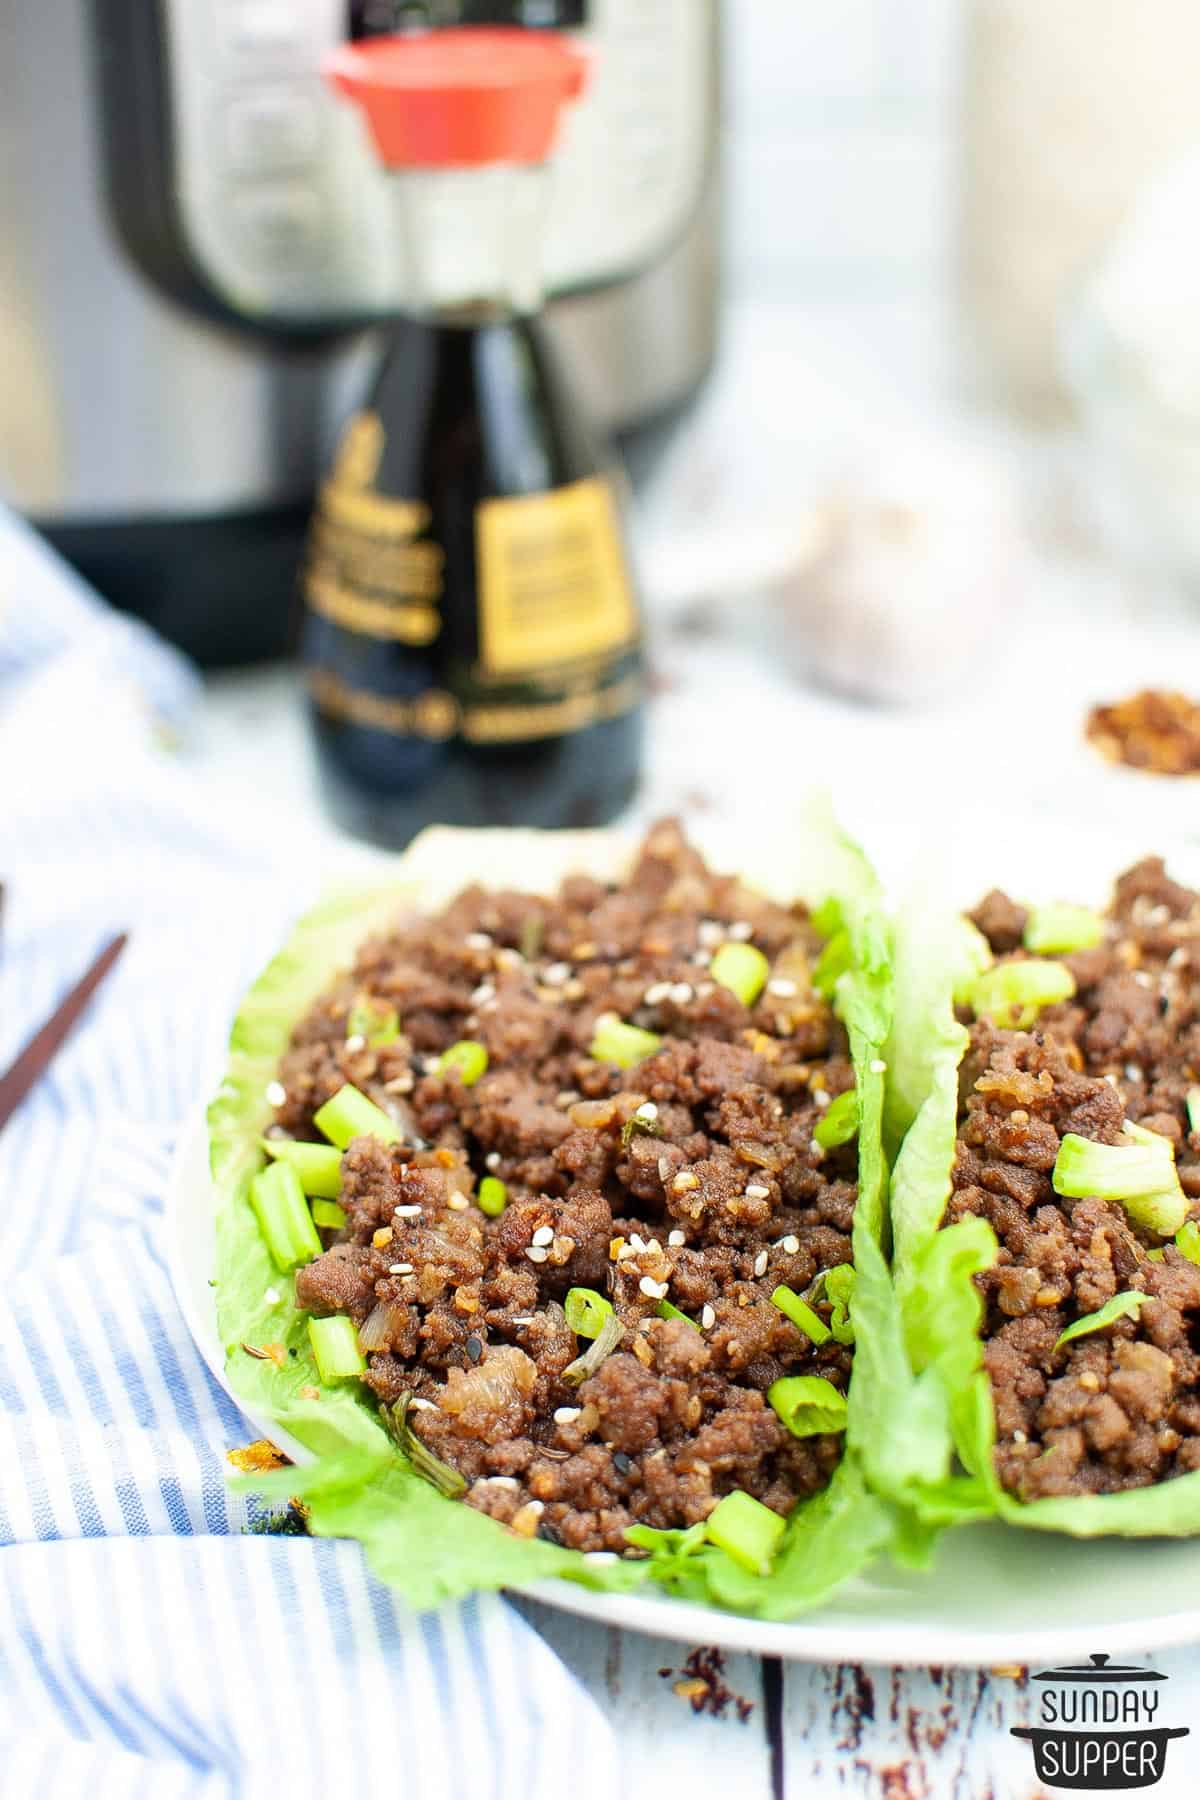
148, 1644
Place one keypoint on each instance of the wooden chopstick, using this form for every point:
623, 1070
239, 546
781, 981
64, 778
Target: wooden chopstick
33, 1061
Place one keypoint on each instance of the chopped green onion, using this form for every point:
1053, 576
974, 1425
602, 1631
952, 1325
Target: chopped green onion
1013, 993
1187, 1241
801, 1314
665, 1310
431, 1468
283, 1216
587, 1312
468, 1056
742, 969
1141, 1175
350, 1114
328, 1215
611, 1333
973, 954
832, 964
375, 1024
808, 1404
1059, 929
839, 1122
493, 1196
335, 1347
746, 1530
625, 1045
1193, 1108
1121, 1306
839, 1285
319, 1166
828, 918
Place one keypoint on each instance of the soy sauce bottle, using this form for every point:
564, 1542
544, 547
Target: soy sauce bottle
472, 637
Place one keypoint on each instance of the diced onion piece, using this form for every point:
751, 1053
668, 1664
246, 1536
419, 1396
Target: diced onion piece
1057, 930
493, 1196
743, 969
1121, 1306
1013, 993
1193, 1108
468, 1057
801, 1314
808, 1404
625, 1045
319, 1166
283, 1216
381, 1324
746, 1530
587, 1311
335, 1348
350, 1114
839, 1122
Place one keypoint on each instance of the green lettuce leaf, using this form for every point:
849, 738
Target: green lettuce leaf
431, 1548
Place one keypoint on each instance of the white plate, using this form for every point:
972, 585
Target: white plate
995, 1594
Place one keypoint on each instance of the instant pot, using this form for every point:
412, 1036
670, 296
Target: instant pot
197, 244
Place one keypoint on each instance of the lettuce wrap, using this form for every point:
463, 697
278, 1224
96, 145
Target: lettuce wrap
359, 1483
937, 1456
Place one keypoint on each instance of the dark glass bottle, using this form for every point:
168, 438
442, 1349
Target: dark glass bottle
472, 637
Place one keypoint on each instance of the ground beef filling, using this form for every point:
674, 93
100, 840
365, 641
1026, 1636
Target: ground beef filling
1119, 1408
691, 1177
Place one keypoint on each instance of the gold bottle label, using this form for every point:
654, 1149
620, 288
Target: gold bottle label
555, 605
552, 582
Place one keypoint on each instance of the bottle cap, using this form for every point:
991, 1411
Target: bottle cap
468, 96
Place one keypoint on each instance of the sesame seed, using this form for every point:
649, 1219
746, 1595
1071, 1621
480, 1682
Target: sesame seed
492, 1160
536, 1507
417, 1404
682, 993
400, 1084
877, 1066
701, 959
820, 1098
272, 1296
401, 1269
1133, 1072
356, 1043
756, 1191
556, 974
624, 1251
656, 992
647, 1110
790, 1243
500, 1481
782, 988
566, 1415
1143, 978
483, 993
741, 930
508, 959
567, 1097
525, 1319
708, 1318
675, 1238
653, 1290
276, 1093
637, 1242
478, 940
406, 1212
544, 1234
760, 1263
1019, 1437
458, 1203
710, 932
537, 1253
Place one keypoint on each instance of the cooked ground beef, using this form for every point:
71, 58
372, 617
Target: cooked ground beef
692, 1176
1119, 1408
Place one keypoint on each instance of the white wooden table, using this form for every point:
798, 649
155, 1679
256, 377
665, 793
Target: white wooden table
863, 1733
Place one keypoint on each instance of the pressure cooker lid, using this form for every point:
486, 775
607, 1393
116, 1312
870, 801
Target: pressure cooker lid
1098, 1668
